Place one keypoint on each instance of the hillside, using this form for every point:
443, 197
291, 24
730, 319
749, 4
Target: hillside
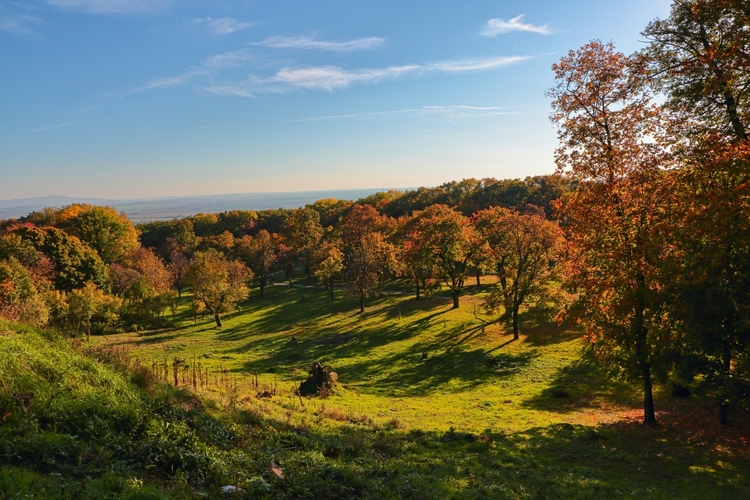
88, 432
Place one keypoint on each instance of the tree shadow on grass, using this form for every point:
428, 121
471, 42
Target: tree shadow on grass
581, 384
623, 460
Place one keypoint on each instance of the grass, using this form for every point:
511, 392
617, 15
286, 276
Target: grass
420, 362
480, 417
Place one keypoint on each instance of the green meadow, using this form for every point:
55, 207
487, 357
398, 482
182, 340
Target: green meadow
434, 402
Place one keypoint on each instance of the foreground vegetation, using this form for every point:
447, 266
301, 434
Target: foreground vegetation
480, 417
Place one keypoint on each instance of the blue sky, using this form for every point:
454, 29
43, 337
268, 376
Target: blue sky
140, 98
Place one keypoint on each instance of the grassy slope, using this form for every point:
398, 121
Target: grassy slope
89, 433
532, 400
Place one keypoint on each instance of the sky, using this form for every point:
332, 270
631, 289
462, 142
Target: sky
149, 98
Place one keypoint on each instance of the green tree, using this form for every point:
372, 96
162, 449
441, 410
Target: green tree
75, 263
217, 283
85, 303
303, 233
105, 230
329, 264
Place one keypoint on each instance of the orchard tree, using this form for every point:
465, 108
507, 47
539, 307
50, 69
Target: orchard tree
217, 283
87, 302
303, 232
528, 262
179, 267
609, 132
330, 263
414, 261
261, 254
365, 265
443, 239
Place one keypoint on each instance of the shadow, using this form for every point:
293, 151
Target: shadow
581, 384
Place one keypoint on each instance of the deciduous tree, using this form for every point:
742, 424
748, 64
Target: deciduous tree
609, 134
529, 258
217, 283
445, 240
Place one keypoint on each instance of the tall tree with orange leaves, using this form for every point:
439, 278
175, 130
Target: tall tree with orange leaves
699, 59
609, 132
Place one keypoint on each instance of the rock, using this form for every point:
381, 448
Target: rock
231, 489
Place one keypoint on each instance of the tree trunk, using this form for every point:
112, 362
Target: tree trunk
649, 416
179, 292
417, 281
331, 287
307, 271
362, 302
479, 276
218, 320
454, 294
723, 407
88, 330
262, 286
515, 322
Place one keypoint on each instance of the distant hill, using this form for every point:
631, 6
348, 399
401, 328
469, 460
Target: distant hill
149, 209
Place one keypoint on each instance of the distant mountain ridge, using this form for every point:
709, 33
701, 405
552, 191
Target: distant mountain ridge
148, 209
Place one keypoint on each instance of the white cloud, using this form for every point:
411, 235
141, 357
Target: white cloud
499, 26
230, 90
327, 78
223, 25
112, 6
333, 77
61, 125
312, 43
18, 24
476, 64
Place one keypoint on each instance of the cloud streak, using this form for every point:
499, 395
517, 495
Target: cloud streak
61, 125
326, 78
18, 24
112, 6
208, 67
454, 111
312, 43
333, 77
499, 26
223, 25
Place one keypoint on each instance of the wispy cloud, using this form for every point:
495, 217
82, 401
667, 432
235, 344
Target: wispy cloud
454, 111
499, 26
333, 77
223, 25
112, 6
312, 43
61, 125
230, 90
327, 78
19, 24
209, 66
